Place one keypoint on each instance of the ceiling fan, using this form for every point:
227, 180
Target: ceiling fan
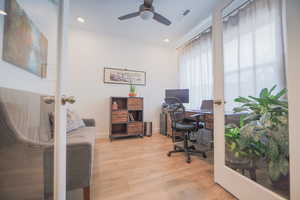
146, 12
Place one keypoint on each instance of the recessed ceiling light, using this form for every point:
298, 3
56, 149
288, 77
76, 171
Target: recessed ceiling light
167, 40
2, 12
80, 19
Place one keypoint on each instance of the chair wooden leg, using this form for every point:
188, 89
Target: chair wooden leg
86, 193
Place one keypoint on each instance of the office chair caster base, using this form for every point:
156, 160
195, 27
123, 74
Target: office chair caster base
192, 147
176, 150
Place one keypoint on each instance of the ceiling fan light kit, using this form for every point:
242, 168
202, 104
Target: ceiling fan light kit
146, 15
147, 12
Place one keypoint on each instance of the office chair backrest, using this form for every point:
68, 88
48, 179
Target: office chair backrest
207, 106
178, 114
176, 109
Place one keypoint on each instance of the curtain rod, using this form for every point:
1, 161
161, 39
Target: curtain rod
210, 27
238, 8
195, 37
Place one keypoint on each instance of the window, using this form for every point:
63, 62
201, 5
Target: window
253, 50
196, 73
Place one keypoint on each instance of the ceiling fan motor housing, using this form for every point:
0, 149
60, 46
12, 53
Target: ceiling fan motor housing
146, 13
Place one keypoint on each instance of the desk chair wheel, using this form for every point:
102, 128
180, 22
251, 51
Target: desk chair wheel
169, 154
188, 161
204, 155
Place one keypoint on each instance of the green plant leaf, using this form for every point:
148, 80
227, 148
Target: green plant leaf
252, 117
232, 146
242, 100
281, 93
272, 89
264, 93
239, 109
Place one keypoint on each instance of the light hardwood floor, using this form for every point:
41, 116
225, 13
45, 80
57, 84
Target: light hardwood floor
139, 169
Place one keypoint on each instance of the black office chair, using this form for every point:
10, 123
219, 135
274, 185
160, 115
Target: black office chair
182, 124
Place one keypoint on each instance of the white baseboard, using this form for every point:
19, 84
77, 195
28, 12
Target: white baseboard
156, 130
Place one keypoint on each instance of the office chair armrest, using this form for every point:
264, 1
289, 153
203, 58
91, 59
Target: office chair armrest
197, 117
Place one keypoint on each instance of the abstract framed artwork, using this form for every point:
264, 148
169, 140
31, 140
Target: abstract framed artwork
124, 76
23, 44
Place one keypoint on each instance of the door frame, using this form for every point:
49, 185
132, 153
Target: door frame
237, 184
292, 31
60, 137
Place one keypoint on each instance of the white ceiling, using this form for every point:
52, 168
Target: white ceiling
102, 16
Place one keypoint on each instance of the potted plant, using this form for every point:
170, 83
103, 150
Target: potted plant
132, 90
242, 151
267, 123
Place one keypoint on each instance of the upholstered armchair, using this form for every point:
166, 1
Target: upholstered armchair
26, 149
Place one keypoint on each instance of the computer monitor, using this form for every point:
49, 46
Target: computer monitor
181, 94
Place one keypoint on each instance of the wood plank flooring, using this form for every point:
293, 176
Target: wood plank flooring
139, 169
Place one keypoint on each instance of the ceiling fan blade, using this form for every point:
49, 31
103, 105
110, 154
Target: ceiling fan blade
131, 15
161, 19
148, 3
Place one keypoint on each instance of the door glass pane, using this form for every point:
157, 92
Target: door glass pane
28, 49
256, 109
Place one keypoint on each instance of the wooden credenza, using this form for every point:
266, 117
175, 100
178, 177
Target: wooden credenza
128, 118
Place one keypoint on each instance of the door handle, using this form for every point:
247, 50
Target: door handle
64, 100
70, 100
218, 102
49, 99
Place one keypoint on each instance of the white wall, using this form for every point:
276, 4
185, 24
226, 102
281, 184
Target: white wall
91, 52
44, 16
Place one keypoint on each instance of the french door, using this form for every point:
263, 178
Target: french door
33, 45
256, 153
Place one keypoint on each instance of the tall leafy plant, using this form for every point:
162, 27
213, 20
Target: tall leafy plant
267, 124
241, 145
132, 89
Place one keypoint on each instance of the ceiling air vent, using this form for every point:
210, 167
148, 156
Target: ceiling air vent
186, 12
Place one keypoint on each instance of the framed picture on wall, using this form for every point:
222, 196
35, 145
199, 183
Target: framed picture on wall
24, 45
124, 76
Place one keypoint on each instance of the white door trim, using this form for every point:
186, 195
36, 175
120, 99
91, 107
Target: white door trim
240, 186
60, 110
292, 15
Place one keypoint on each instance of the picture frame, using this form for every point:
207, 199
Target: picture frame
124, 76
24, 45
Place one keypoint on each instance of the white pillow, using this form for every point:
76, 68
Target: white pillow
73, 121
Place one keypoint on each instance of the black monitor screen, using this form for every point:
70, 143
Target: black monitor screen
181, 94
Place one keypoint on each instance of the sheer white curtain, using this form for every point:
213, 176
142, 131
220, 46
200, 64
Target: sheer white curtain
253, 50
195, 64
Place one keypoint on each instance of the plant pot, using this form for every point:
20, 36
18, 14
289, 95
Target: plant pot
283, 183
233, 160
114, 106
132, 94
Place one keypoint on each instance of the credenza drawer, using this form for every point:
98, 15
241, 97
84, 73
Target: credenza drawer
209, 124
135, 104
135, 128
119, 116
209, 117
